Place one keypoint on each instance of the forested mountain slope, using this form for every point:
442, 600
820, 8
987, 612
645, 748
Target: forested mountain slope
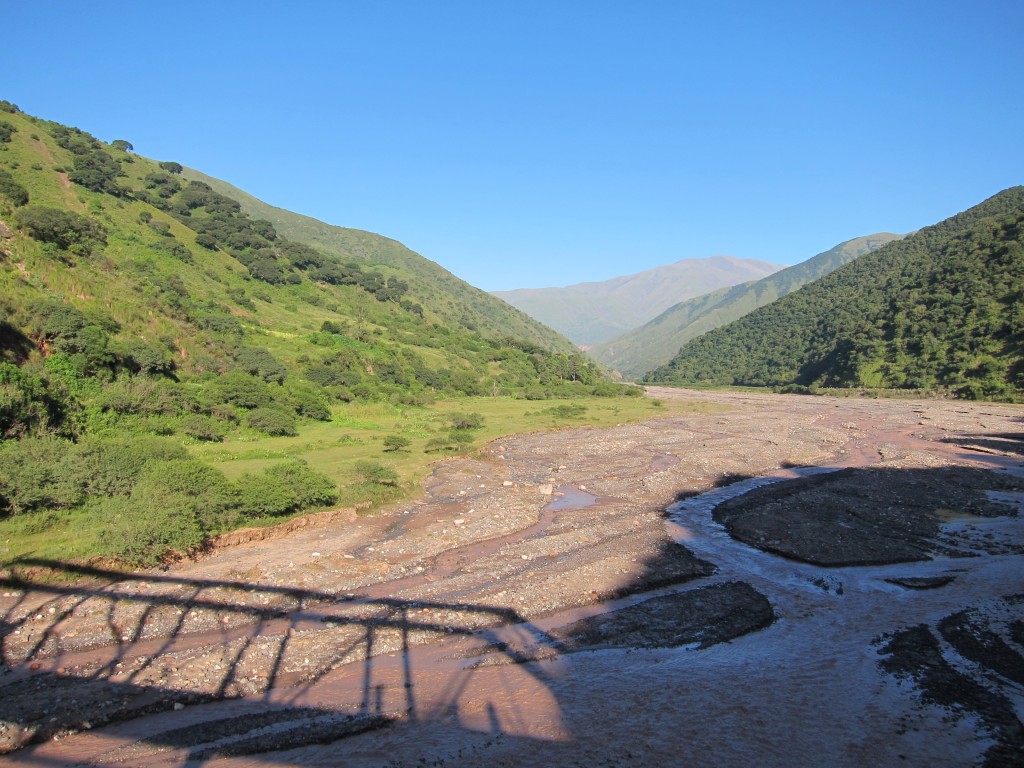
942, 310
654, 343
589, 313
453, 300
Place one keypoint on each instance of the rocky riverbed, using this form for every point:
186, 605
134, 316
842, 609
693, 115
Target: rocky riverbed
783, 581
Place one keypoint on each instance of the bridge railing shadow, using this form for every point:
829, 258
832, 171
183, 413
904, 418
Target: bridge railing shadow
144, 653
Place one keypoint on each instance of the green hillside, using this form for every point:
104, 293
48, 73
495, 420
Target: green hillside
590, 313
146, 316
654, 344
455, 302
940, 310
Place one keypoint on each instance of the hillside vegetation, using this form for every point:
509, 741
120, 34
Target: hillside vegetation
454, 301
942, 310
590, 313
144, 315
654, 343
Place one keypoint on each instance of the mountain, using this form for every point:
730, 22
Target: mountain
129, 265
940, 310
455, 301
653, 344
589, 313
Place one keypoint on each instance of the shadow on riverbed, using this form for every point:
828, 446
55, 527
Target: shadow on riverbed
50, 688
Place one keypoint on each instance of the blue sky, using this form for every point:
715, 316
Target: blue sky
528, 144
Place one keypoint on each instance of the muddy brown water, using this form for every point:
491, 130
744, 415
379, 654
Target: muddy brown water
408, 637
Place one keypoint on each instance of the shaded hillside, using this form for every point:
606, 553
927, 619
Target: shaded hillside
455, 301
654, 344
940, 310
589, 313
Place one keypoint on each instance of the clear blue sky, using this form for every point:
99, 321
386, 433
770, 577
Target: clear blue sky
527, 144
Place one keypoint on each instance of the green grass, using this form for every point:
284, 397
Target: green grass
357, 431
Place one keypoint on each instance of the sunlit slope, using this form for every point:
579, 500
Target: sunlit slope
654, 344
436, 289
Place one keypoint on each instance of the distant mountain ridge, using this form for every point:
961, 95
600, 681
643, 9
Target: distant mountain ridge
654, 343
940, 310
592, 312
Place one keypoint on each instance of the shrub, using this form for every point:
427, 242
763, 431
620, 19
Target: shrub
141, 356
12, 190
466, 420
26, 405
202, 428
240, 389
375, 473
205, 241
112, 466
171, 167
284, 489
143, 529
257, 361
310, 404
62, 228
6, 130
34, 476
573, 411
393, 443
272, 421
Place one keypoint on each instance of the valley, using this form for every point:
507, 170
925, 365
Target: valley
569, 597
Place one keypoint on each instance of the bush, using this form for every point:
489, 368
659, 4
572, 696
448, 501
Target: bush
142, 356
62, 228
240, 389
374, 473
393, 443
310, 404
205, 241
26, 404
112, 466
284, 489
142, 530
260, 362
34, 476
6, 130
573, 411
12, 190
466, 420
202, 428
272, 421
212, 499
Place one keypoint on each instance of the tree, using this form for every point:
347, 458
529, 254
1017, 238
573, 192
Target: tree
62, 228
171, 167
122, 145
395, 443
12, 190
374, 473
